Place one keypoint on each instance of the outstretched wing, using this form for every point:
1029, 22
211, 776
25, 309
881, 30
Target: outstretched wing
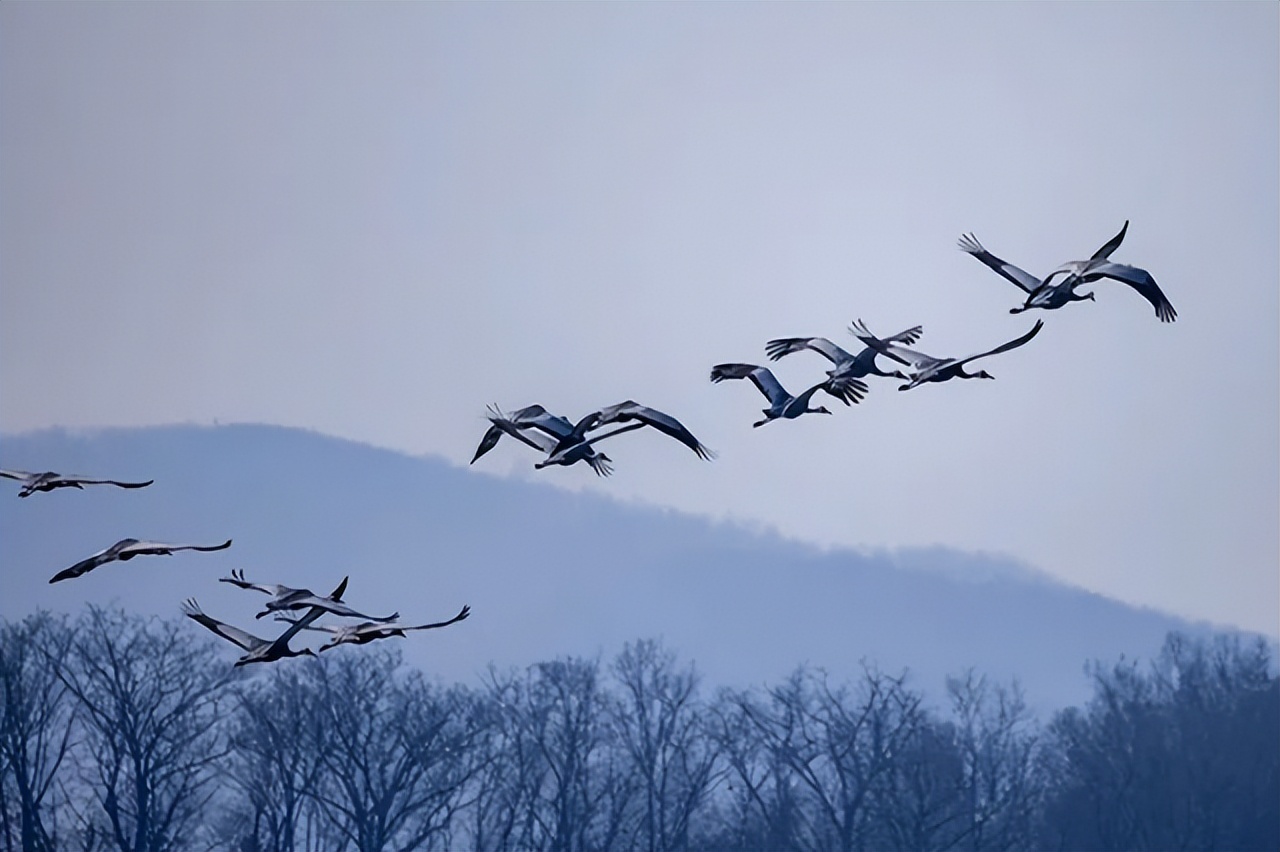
906, 337
1005, 347
335, 629
20, 475
847, 390
237, 579
247, 641
495, 432
786, 345
369, 631
84, 566
160, 548
1023, 279
83, 480
894, 351
865, 362
336, 607
203, 547
1140, 280
549, 429
663, 422
1111, 245
282, 641
761, 376
461, 616
537, 440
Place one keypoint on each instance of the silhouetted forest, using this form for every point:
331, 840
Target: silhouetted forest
123, 732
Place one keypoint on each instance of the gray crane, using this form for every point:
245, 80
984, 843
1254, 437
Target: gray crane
361, 634
543, 431
257, 650
287, 598
849, 368
1047, 294
782, 405
48, 480
566, 443
926, 368
124, 550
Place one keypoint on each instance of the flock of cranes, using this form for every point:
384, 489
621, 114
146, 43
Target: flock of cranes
565, 443
284, 599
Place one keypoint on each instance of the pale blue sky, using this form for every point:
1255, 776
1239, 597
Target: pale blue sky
374, 220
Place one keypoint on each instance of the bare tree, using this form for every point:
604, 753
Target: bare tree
35, 728
998, 743
763, 811
395, 751
582, 801
150, 695
510, 776
274, 763
918, 801
1185, 756
658, 723
826, 749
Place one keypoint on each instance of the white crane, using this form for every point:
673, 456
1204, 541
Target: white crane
124, 550
361, 634
1040, 294
849, 369
287, 597
257, 650
1099, 266
544, 431
48, 480
566, 443
926, 368
782, 405
636, 416
1049, 295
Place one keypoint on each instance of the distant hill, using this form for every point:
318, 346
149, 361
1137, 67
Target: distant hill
547, 572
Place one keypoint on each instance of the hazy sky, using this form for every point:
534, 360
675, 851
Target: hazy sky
373, 220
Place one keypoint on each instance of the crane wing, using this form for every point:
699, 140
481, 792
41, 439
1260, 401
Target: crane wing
336, 607
1005, 347
894, 351
294, 627
1111, 245
907, 336
515, 425
1021, 278
335, 629
159, 548
235, 635
762, 377
461, 616
786, 345
84, 480
847, 390
663, 422
1140, 280
84, 566
237, 579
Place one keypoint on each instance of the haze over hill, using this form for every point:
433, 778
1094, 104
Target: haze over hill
547, 572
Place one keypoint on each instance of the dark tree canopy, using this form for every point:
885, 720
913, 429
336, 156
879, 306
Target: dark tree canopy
128, 733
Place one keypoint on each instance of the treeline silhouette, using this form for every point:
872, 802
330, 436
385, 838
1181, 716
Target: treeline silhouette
132, 733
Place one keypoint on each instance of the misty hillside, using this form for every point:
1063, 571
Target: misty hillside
547, 572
